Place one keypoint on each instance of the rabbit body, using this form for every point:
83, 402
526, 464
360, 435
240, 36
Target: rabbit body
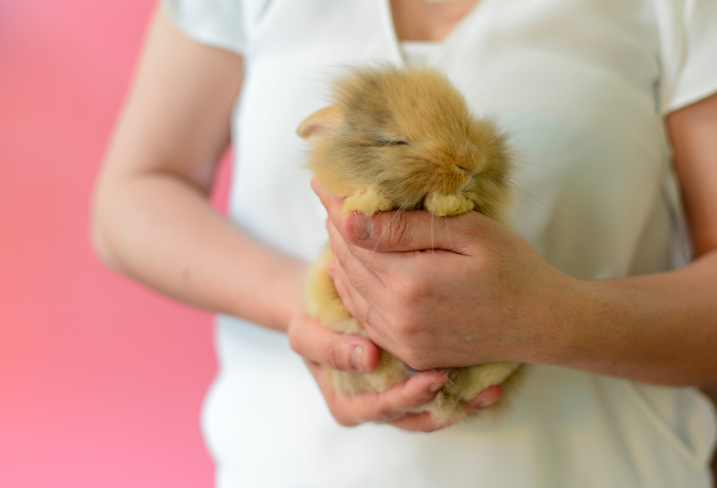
404, 139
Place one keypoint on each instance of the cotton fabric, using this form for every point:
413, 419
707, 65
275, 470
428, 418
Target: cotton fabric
581, 87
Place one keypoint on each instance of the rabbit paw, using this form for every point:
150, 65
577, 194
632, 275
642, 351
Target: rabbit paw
447, 205
368, 202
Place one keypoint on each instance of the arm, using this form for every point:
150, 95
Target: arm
152, 218
494, 298
152, 221
671, 317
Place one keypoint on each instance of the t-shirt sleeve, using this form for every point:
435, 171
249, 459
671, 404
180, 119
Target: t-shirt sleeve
688, 52
218, 23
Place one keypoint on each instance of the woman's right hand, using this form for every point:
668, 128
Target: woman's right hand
319, 346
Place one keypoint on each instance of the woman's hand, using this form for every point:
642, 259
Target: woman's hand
440, 292
321, 346
452, 292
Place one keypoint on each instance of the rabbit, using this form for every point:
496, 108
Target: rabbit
404, 139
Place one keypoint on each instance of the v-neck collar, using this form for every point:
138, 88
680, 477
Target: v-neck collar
441, 46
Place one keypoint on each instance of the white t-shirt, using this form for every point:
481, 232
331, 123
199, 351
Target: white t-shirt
582, 87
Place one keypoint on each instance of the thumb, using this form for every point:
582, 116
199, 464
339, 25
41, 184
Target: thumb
415, 230
403, 231
344, 352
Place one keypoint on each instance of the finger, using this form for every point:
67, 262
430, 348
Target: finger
388, 231
399, 399
355, 268
370, 319
425, 422
362, 291
344, 352
385, 406
403, 231
332, 203
484, 399
339, 413
349, 410
356, 304
346, 293
422, 422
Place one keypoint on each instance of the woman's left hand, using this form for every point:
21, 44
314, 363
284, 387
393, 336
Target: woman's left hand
451, 292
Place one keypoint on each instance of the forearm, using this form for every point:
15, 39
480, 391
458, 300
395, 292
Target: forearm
159, 229
659, 328
152, 219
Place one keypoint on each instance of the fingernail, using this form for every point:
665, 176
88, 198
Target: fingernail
483, 403
435, 387
357, 358
331, 268
363, 227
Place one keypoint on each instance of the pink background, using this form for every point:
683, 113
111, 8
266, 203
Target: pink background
101, 381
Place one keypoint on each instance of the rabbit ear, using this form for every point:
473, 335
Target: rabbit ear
320, 123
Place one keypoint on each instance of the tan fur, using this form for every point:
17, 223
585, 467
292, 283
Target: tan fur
404, 138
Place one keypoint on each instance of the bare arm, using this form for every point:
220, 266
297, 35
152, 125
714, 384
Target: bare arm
153, 222
152, 219
668, 321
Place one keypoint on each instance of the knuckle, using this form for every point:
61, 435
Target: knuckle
465, 228
333, 355
366, 316
424, 422
413, 290
419, 358
428, 428
344, 422
339, 413
407, 327
343, 295
398, 230
339, 252
385, 411
416, 361
295, 341
401, 325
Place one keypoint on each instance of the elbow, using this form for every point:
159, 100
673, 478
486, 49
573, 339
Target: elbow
101, 247
100, 238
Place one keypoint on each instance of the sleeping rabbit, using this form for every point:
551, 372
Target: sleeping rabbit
404, 139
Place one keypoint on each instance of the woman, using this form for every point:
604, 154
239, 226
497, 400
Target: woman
591, 94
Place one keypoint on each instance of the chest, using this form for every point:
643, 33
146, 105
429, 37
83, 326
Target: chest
573, 82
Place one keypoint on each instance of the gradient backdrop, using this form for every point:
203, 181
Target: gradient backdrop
101, 381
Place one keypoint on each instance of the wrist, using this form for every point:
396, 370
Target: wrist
291, 288
575, 309
598, 327
272, 299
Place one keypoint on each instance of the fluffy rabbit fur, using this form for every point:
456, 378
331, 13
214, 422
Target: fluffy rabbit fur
404, 139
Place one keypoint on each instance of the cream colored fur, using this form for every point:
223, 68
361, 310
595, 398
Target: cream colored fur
404, 139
